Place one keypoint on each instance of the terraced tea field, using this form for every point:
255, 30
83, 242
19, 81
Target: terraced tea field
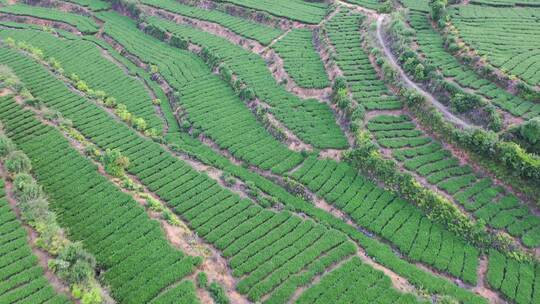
244, 151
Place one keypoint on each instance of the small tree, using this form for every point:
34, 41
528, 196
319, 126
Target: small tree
82, 86
530, 130
419, 72
122, 112
218, 293
202, 280
110, 101
115, 163
73, 264
438, 9
6, 146
91, 297
18, 162
140, 124
30, 192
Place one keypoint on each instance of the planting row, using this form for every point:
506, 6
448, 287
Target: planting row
208, 100
97, 72
425, 156
394, 219
310, 120
506, 3
343, 31
431, 44
514, 49
94, 5
137, 261
301, 60
23, 280
214, 107
82, 23
382, 252
274, 252
371, 4
517, 281
343, 285
297, 10
249, 29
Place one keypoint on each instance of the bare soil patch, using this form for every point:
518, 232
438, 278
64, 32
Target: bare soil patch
481, 288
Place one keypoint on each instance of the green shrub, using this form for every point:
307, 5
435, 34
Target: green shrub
115, 163
154, 204
202, 280
74, 264
18, 162
529, 130
218, 293
91, 297
31, 191
21, 181
170, 218
6, 146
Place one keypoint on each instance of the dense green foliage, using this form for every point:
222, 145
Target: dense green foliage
82, 23
110, 224
432, 46
530, 130
299, 10
301, 60
427, 158
243, 27
301, 198
310, 120
342, 286
218, 293
220, 216
21, 276
213, 119
518, 281
102, 76
362, 81
384, 213
514, 48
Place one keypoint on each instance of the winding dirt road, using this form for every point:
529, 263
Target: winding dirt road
411, 84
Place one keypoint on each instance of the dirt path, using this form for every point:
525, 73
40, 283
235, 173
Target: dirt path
43, 257
481, 288
411, 84
277, 39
